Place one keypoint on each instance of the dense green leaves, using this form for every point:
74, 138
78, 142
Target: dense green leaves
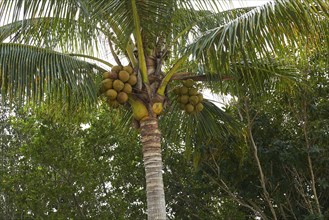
35, 74
266, 151
58, 169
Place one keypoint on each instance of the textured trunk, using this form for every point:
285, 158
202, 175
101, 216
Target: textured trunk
151, 141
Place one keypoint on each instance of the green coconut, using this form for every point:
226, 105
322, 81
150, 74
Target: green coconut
124, 76
189, 108
183, 90
193, 99
127, 88
192, 91
200, 97
118, 85
129, 69
199, 107
122, 97
111, 94
184, 99
107, 84
132, 80
188, 83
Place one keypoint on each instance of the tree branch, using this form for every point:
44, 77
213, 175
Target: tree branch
260, 169
190, 75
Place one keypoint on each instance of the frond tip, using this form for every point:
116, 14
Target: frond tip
35, 75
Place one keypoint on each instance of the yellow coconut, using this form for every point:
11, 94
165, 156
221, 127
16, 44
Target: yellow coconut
116, 69
107, 84
118, 85
106, 75
124, 76
129, 69
139, 109
132, 80
157, 108
122, 97
127, 88
111, 94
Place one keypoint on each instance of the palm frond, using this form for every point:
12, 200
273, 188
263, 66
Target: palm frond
36, 75
254, 78
262, 34
196, 130
189, 23
155, 16
52, 24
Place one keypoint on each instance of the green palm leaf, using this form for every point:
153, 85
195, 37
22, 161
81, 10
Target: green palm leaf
196, 130
53, 24
262, 34
37, 75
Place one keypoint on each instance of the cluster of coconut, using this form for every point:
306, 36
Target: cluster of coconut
117, 84
189, 97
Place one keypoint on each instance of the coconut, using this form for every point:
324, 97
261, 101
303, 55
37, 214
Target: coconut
116, 69
122, 97
106, 75
129, 69
157, 108
183, 90
111, 94
188, 83
118, 85
200, 97
127, 88
132, 80
199, 107
124, 76
193, 100
192, 91
113, 75
107, 84
189, 108
184, 99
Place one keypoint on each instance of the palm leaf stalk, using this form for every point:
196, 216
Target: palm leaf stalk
237, 49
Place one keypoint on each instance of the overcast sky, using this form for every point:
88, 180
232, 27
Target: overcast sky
245, 3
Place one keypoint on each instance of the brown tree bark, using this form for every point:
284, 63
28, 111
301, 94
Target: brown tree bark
151, 141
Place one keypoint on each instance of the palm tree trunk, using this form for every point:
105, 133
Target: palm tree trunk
151, 141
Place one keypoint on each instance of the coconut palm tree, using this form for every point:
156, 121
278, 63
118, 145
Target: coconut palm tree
53, 52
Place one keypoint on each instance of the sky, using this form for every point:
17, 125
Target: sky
239, 3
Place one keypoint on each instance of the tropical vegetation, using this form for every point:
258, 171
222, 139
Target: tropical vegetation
55, 53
